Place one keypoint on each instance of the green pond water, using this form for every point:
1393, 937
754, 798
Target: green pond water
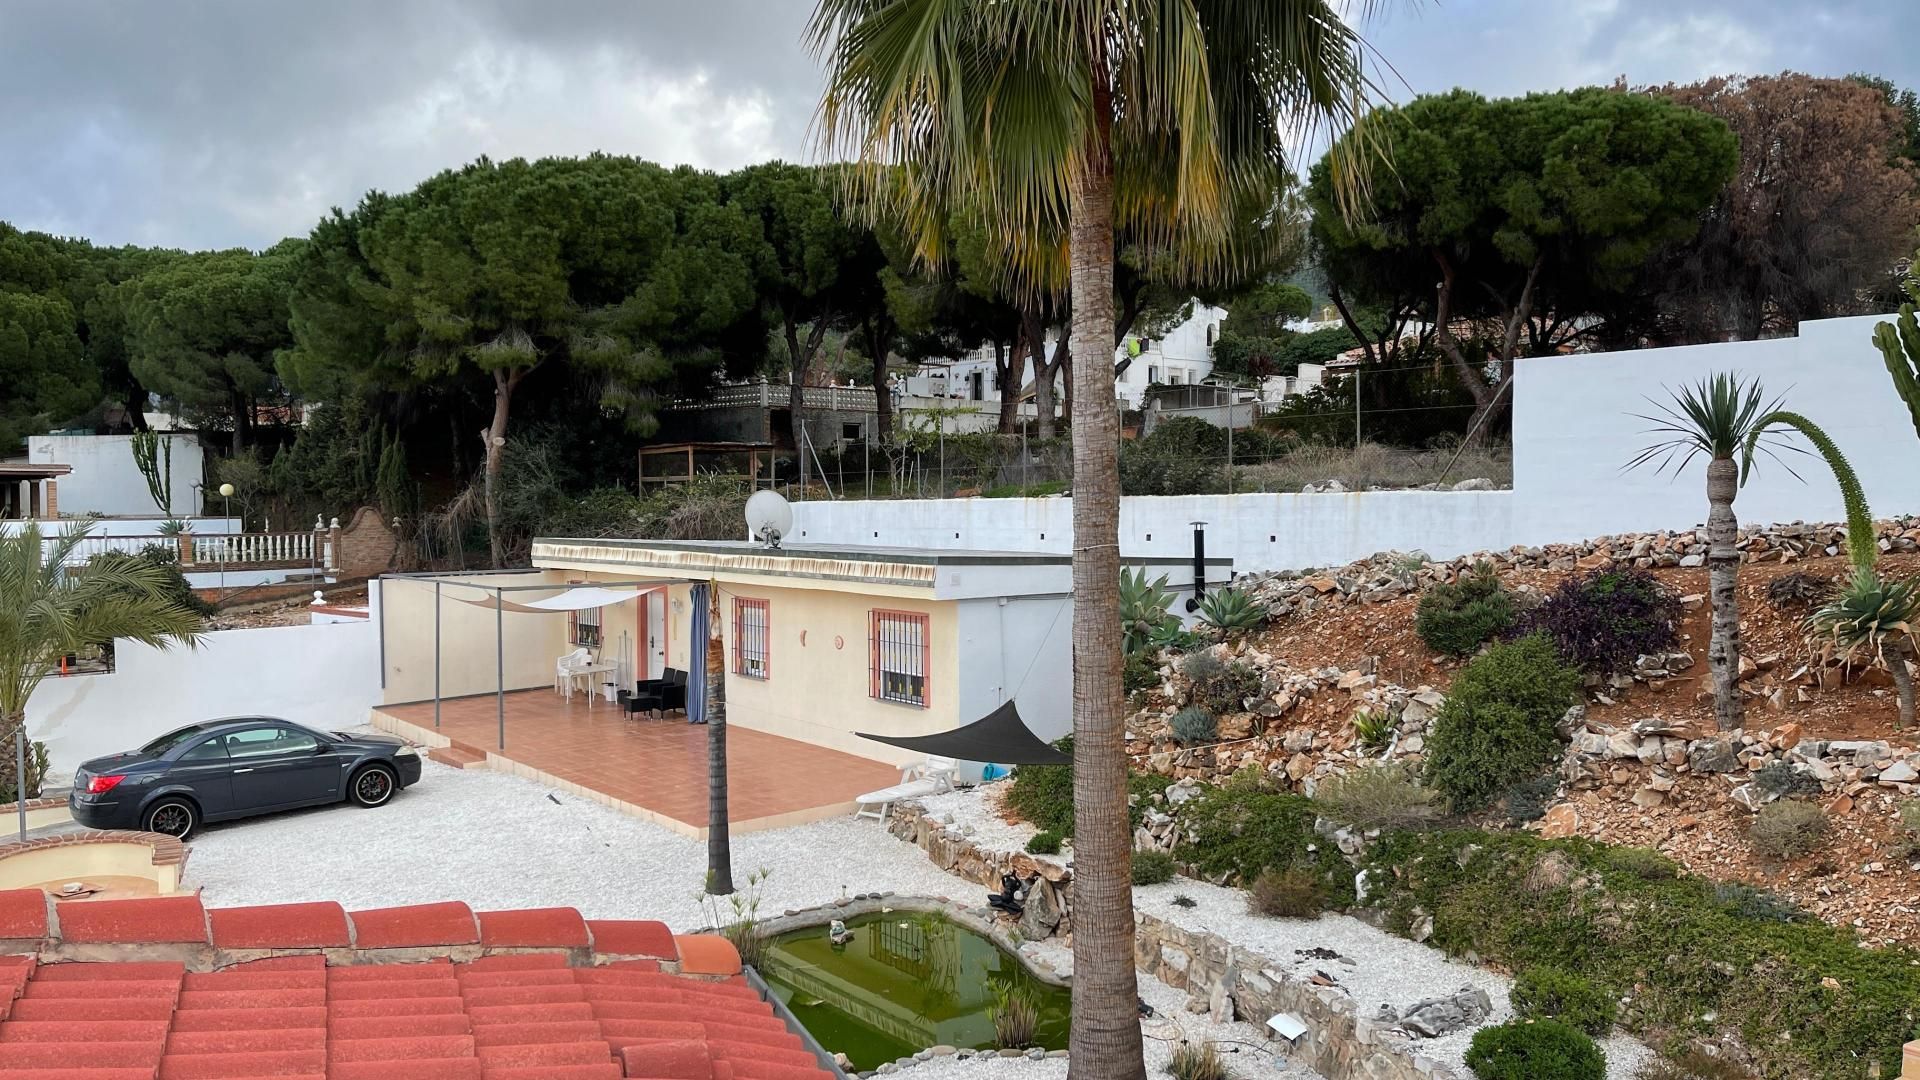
906, 981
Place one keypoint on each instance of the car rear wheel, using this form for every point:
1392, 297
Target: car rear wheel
372, 786
172, 817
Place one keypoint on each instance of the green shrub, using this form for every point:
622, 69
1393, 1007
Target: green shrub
1244, 827
1528, 800
1498, 724
1376, 797
1042, 795
1152, 867
1458, 617
1643, 862
1545, 993
1293, 893
1141, 671
1044, 842
1218, 686
1702, 958
1197, 1061
1194, 725
1787, 830
1779, 780
1692, 1065
1535, 1050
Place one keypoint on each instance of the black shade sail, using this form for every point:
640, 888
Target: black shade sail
1000, 737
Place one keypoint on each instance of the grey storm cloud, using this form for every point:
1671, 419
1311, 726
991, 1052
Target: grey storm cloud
237, 122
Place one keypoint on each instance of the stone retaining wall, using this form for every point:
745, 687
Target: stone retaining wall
1235, 982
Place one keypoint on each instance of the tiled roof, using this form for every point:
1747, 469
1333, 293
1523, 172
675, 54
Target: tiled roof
162, 989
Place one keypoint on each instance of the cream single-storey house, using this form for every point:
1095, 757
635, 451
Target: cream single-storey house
820, 642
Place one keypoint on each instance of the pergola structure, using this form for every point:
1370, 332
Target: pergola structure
565, 598
694, 452
30, 491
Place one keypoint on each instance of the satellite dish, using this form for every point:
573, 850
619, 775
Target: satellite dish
768, 517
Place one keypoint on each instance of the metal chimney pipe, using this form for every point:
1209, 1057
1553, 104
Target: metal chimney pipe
1199, 564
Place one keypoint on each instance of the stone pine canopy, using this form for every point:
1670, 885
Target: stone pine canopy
1000, 737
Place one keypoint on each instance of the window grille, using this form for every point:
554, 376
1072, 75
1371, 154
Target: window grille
898, 656
584, 628
750, 638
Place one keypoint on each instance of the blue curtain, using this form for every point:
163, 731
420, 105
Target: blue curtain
697, 656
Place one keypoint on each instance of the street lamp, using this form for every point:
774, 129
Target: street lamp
226, 503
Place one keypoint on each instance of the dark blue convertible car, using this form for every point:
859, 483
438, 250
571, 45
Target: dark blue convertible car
237, 767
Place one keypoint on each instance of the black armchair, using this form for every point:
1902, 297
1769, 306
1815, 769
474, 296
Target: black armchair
659, 695
673, 695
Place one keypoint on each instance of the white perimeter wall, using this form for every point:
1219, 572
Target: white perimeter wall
325, 676
106, 481
1577, 422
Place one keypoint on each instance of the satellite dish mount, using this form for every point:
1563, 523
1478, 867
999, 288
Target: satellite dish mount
769, 517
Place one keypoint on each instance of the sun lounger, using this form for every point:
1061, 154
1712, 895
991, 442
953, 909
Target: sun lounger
930, 777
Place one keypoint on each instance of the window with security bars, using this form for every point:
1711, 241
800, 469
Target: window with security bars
584, 628
898, 641
750, 638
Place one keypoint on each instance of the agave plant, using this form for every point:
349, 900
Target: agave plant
1875, 616
1231, 610
1143, 609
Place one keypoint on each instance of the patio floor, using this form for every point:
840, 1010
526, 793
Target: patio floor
656, 769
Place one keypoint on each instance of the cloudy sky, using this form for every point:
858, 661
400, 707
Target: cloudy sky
212, 123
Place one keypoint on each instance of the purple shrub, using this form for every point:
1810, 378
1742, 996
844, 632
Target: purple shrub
1602, 621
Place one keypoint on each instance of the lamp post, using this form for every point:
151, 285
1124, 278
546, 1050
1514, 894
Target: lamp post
226, 503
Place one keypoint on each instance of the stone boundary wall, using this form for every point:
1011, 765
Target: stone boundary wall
1340, 1044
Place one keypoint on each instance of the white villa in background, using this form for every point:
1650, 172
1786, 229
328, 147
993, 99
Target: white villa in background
1184, 357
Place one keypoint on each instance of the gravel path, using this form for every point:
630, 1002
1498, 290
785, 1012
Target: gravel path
497, 841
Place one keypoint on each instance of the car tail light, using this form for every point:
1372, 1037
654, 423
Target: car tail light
100, 785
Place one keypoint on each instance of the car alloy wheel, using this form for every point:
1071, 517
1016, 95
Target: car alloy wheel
372, 786
171, 818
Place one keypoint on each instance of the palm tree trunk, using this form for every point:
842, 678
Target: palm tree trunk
9, 776
1902, 678
1723, 572
719, 844
1105, 1038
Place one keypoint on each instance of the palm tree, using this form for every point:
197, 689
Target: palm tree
1716, 418
1074, 117
48, 612
719, 840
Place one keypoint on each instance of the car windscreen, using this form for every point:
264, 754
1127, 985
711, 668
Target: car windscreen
172, 739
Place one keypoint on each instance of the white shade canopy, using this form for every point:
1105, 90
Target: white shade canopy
578, 598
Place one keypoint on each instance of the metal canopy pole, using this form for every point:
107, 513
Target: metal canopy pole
500, 669
436, 654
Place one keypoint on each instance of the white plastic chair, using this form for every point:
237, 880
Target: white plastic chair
563, 670
931, 777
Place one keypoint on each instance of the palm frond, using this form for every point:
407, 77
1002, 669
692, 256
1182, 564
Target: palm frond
1716, 417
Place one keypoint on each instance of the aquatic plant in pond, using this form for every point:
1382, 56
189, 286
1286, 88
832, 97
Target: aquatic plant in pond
905, 982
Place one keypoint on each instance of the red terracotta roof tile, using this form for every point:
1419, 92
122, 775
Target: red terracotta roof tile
23, 913
148, 920
680, 1059
632, 937
281, 926
420, 924
533, 928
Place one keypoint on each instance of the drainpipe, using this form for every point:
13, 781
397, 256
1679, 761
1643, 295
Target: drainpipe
1199, 564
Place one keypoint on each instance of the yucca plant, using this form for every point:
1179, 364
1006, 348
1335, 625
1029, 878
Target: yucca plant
1874, 616
1144, 618
1232, 611
1715, 419
1374, 728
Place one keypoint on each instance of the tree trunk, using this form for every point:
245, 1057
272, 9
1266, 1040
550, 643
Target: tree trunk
1723, 572
1063, 359
9, 776
1902, 678
800, 358
882, 397
495, 440
1043, 373
1105, 1038
719, 844
1010, 367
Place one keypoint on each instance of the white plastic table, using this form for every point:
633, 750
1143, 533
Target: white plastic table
586, 672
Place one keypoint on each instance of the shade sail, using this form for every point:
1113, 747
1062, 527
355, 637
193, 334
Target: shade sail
1000, 737
584, 598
